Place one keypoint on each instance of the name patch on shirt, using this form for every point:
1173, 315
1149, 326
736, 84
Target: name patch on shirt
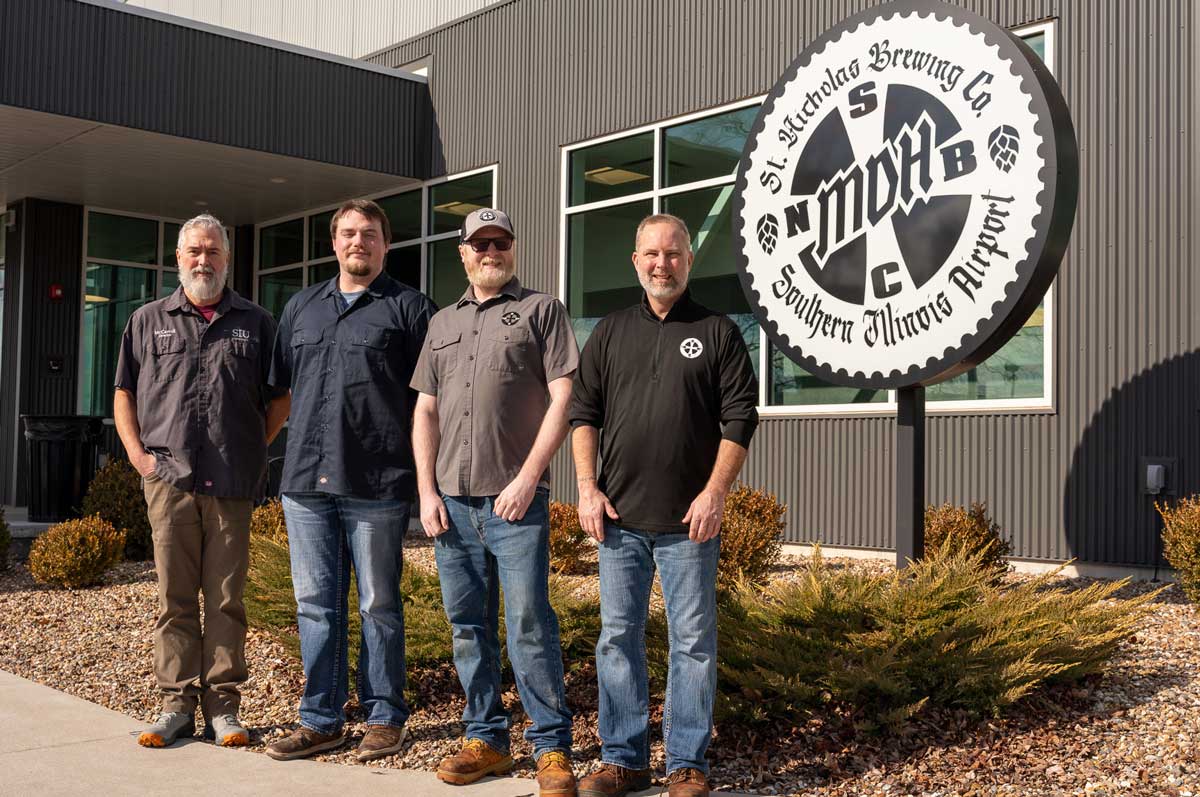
162, 333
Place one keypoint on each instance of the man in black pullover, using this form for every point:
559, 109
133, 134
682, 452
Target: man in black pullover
667, 390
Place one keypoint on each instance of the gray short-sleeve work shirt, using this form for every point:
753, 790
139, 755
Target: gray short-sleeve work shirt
489, 364
201, 391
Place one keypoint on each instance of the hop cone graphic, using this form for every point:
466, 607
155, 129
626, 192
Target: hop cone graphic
1002, 146
768, 232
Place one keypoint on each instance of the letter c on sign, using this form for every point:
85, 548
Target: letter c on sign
880, 282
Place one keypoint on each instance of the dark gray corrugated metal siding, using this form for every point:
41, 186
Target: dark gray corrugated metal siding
91, 62
9, 360
1126, 373
52, 254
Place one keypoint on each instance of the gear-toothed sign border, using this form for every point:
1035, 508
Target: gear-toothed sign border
1059, 180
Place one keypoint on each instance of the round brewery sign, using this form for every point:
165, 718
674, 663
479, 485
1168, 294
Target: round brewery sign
905, 196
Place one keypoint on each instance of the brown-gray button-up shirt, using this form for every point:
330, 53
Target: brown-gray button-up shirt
489, 364
201, 391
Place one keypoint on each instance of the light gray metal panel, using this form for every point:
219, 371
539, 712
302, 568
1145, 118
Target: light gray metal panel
353, 28
1125, 363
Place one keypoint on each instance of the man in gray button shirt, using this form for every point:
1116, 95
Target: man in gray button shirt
195, 414
495, 381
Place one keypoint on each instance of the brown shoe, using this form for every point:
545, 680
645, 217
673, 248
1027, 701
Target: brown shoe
381, 741
611, 780
303, 742
554, 775
687, 782
475, 760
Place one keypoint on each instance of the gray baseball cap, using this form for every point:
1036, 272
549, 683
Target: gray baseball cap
476, 220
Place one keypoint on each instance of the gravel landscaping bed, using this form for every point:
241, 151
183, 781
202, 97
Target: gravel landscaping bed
1135, 731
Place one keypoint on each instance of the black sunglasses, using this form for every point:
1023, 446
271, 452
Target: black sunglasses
481, 244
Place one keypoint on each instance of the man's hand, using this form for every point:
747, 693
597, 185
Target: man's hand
704, 515
513, 501
144, 462
434, 519
593, 506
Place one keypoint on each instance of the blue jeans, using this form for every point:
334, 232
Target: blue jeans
326, 534
481, 553
688, 572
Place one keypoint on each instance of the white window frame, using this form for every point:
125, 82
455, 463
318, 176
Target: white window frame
159, 267
1042, 404
420, 241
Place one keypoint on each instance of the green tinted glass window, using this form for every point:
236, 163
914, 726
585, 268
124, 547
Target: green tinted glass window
404, 214
1037, 43
122, 238
170, 243
1017, 371
281, 244
322, 272
404, 264
274, 290
450, 202
111, 294
705, 148
447, 279
600, 274
170, 281
319, 243
613, 169
714, 282
791, 384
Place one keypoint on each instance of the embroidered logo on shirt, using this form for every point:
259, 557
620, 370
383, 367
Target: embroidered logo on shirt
240, 334
510, 318
691, 348
162, 333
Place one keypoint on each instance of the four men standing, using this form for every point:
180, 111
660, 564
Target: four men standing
495, 383
495, 374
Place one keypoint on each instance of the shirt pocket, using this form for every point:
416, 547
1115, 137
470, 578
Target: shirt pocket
445, 353
366, 354
170, 358
241, 357
509, 350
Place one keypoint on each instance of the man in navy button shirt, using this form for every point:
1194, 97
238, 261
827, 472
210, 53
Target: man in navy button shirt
347, 348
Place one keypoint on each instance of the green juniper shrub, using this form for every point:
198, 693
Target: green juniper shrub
570, 547
75, 553
1181, 542
5, 540
751, 536
941, 633
116, 495
969, 529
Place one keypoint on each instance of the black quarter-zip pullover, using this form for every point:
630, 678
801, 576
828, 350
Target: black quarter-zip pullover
663, 394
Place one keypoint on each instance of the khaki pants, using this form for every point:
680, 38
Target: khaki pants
201, 543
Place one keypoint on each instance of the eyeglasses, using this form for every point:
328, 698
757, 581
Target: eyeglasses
481, 244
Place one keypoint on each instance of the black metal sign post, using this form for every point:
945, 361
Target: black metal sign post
910, 474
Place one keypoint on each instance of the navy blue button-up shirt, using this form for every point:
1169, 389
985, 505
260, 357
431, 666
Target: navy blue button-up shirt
348, 370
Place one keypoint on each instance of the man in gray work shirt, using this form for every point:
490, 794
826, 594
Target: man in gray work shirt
195, 414
495, 380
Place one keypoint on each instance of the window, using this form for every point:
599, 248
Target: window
128, 261
295, 253
687, 167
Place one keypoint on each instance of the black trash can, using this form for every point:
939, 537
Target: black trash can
62, 461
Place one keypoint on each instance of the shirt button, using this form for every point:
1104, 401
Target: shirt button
466, 442
476, 332
323, 480
465, 414
468, 384
470, 356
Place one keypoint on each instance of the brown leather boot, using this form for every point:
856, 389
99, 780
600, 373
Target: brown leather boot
475, 760
687, 782
381, 741
611, 780
554, 775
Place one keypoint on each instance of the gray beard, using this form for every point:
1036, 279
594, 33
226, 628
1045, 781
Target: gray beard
203, 288
662, 292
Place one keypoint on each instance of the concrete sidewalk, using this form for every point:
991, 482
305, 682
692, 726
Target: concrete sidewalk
54, 744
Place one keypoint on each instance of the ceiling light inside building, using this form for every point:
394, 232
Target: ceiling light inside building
457, 208
92, 299
279, 180
607, 175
